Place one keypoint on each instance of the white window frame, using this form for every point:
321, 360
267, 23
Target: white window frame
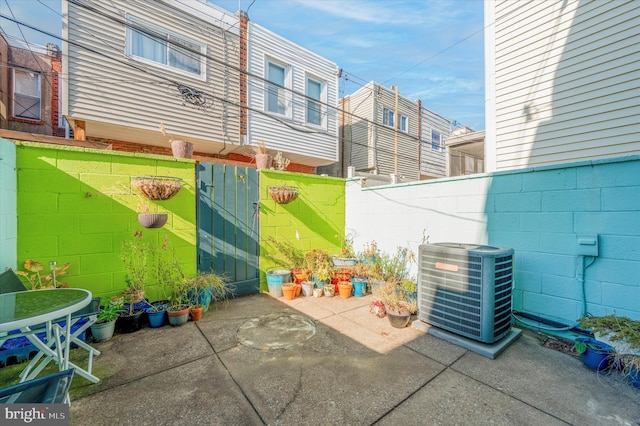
318, 102
388, 117
438, 146
25, 98
283, 93
133, 21
403, 124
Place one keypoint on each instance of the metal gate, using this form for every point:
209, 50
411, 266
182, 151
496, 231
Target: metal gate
228, 228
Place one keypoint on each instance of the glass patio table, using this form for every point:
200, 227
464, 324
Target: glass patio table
25, 309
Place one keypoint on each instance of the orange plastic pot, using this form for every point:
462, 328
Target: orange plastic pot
196, 313
344, 288
289, 291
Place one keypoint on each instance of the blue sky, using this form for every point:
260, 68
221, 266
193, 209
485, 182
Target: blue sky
431, 49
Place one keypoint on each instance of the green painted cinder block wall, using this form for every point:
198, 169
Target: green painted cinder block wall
315, 220
77, 205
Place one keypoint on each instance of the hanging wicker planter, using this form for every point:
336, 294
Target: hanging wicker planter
283, 194
157, 187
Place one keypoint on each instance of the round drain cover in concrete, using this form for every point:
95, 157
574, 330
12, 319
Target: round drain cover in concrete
276, 331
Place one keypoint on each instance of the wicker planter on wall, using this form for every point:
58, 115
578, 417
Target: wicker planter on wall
157, 187
283, 194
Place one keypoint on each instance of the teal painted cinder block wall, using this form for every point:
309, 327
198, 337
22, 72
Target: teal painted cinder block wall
77, 205
8, 196
537, 211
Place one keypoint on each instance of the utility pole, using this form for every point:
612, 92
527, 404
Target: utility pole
395, 134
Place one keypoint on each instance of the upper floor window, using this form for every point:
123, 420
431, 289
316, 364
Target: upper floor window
388, 119
314, 106
436, 140
26, 95
275, 96
151, 43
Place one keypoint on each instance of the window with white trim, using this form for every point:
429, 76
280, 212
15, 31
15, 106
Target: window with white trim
436, 140
388, 119
27, 95
314, 92
275, 96
154, 44
403, 124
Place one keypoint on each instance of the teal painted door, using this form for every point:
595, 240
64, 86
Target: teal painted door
227, 218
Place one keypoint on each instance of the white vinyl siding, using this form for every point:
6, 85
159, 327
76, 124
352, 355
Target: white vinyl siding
155, 44
130, 97
299, 138
567, 81
27, 95
433, 162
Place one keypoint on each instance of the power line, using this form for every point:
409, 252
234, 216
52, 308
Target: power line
284, 122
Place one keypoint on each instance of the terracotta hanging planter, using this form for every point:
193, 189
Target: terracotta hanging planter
283, 194
157, 187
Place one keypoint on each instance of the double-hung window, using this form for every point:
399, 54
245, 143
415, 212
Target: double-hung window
314, 99
389, 117
27, 95
149, 42
403, 124
275, 96
436, 140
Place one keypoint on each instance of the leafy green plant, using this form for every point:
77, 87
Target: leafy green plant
135, 256
170, 275
110, 312
284, 254
622, 329
221, 290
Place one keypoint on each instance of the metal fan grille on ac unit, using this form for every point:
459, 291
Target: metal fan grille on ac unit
466, 289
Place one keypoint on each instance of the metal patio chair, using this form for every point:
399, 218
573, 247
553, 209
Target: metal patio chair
50, 389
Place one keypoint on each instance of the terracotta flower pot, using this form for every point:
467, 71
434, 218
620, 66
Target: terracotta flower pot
344, 288
181, 149
289, 291
196, 313
263, 161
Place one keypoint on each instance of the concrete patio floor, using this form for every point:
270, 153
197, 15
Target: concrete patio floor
353, 369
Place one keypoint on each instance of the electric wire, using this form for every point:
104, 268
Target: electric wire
284, 122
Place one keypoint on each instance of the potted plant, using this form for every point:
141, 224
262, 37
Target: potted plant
398, 309
318, 262
209, 287
179, 148
157, 313
622, 334
105, 324
360, 277
135, 257
370, 252
594, 354
280, 162
173, 283
284, 255
263, 158
347, 255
